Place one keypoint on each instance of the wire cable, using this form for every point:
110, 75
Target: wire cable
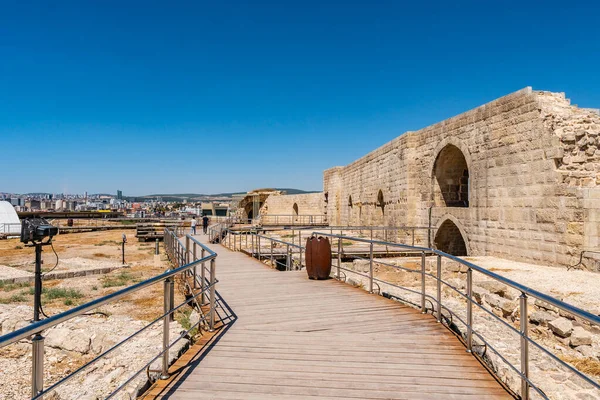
55, 265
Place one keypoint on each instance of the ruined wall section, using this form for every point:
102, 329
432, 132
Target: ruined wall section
308, 204
526, 196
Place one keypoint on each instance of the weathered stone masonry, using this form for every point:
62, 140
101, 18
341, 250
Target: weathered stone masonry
516, 178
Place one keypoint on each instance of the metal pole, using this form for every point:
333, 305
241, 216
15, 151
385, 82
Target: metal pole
37, 367
166, 321
252, 244
271, 243
187, 250
213, 279
524, 347
37, 299
287, 259
258, 248
194, 255
439, 288
339, 260
413, 236
423, 307
469, 310
371, 268
203, 277
300, 250
156, 248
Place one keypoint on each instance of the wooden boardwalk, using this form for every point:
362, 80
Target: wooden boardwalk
294, 338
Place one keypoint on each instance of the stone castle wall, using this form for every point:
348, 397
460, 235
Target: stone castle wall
515, 178
307, 204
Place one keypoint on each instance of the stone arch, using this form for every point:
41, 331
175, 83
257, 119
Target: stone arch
450, 178
350, 201
249, 211
451, 238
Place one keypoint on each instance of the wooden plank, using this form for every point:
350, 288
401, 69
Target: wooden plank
299, 339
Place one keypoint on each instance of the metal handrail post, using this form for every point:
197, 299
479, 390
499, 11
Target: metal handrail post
166, 322
371, 268
272, 265
37, 367
423, 294
213, 279
339, 259
287, 259
258, 249
524, 347
469, 310
439, 288
195, 270
252, 244
187, 250
203, 277
300, 250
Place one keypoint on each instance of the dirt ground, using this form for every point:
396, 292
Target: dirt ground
87, 251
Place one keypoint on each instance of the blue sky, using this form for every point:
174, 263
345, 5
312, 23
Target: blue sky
226, 96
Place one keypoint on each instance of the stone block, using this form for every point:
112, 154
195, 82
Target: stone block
494, 286
561, 327
580, 337
541, 317
504, 306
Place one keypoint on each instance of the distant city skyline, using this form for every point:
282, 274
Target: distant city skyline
229, 97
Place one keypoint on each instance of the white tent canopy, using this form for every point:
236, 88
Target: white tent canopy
9, 220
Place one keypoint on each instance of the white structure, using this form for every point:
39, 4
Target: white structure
9, 220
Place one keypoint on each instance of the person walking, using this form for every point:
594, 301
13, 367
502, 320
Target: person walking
193, 225
205, 224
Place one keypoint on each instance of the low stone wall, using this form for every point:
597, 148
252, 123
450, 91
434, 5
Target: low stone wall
294, 204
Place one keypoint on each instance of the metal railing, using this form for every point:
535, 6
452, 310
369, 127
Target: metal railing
10, 228
291, 219
235, 240
186, 263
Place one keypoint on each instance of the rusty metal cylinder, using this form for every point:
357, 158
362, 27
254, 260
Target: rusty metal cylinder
318, 257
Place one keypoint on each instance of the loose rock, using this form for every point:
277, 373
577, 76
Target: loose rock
561, 327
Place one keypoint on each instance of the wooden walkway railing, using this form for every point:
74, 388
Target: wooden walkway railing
294, 338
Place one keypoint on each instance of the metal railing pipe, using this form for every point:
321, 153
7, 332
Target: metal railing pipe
371, 268
469, 310
439, 288
423, 293
166, 327
524, 347
213, 294
37, 367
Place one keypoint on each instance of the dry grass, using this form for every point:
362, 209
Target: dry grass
586, 365
495, 269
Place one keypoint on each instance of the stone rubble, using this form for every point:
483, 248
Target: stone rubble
72, 343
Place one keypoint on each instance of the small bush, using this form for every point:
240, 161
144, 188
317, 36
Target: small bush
60, 293
7, 287
121, 279
18, 247
68, 302
94, 287
15, 298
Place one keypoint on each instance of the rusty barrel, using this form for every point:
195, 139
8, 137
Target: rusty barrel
318, 257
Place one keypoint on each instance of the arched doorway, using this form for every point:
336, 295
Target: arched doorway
449, 239
295, 211
450, 178
350, 211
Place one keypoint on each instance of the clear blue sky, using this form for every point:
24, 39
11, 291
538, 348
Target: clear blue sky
222, 96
